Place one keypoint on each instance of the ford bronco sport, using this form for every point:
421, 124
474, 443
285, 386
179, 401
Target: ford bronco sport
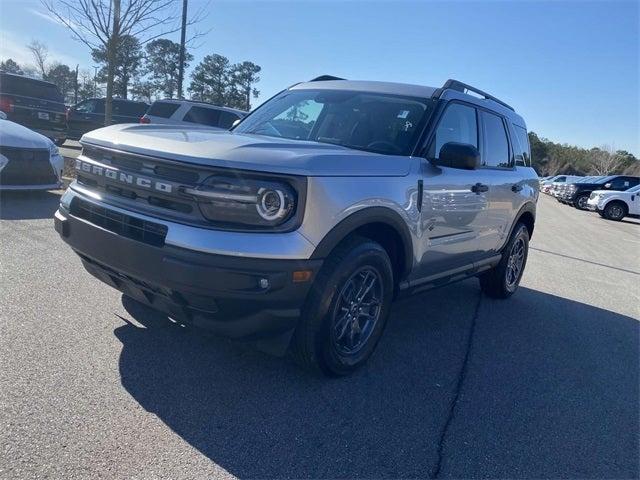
298, 228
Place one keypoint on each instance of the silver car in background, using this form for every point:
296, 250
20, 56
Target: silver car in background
191, 113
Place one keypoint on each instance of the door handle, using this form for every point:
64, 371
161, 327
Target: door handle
516, 188
479, 188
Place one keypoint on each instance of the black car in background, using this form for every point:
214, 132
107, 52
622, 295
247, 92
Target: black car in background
89, 115
35, 104
578, 193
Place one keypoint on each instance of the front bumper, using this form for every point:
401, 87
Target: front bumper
237, 297
594, 205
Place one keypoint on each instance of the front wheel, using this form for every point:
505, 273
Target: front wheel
581, 202
503, 280
615, 211
347, 309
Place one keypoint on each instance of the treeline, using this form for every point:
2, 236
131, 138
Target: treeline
146, 73
551, 158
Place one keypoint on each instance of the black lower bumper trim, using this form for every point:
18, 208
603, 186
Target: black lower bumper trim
237, 297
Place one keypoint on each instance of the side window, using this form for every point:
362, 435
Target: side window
85, 107
523, 155
495, 146
622, 183
203, 116
458, 124
227, 119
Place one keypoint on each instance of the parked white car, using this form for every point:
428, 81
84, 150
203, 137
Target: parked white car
28, 160
615, 205
188, 113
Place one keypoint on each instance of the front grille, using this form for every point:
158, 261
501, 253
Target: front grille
167, 203
127, 226
27, 166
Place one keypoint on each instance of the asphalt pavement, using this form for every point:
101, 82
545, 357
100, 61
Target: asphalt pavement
544, 384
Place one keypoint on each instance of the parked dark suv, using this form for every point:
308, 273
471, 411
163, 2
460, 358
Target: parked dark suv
578, 192
36, 104
89, 115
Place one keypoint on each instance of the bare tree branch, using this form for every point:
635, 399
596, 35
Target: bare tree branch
40, 54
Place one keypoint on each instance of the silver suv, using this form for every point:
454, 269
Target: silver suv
298, 228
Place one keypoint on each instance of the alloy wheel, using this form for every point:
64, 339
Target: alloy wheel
357, 311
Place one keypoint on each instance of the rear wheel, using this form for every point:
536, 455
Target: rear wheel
347, 309
615, 211
503, 280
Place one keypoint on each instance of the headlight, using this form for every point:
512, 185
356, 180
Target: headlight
246, 202
3, 161
53, 150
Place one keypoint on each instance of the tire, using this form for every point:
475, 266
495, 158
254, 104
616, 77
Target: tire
60, 142
581, 202
615, 211
502, 281
327, 339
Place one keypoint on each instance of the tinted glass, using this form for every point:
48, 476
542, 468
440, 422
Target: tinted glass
203, 116
623, 183
458, 124
521, 146
88, 106
131, 109
163, 109
367, 121
495, 146
29, 87
227, 119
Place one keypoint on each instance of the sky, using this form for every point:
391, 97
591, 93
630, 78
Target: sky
571, 69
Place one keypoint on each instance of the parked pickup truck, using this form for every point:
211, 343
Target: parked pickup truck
297, 228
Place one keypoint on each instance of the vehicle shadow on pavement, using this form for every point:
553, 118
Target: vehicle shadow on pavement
535, 398
28, 205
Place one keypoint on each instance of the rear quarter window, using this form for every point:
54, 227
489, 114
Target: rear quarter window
521, 146
29, 87
163, 109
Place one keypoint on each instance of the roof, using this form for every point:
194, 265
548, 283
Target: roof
369, 86
24, 77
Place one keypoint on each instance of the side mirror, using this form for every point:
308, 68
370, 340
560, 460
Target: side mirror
458, 155
235, 122
3, 116
607, 185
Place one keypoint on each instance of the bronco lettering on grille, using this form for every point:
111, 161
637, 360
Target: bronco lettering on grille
122, 177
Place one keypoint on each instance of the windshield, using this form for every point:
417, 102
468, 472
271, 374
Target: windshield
365, 121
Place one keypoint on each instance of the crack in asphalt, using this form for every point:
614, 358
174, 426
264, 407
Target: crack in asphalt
461, 376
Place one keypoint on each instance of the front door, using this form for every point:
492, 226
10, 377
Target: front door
455, 225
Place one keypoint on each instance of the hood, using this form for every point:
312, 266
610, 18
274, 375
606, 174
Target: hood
248, 152
14, 135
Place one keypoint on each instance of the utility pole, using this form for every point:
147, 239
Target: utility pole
75, 90
182, 48
114, 42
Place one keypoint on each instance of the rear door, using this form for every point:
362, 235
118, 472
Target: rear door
505, 183
454, 210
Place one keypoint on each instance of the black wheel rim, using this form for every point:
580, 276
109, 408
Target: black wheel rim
515, 263
357, 311
615, 211
582, 202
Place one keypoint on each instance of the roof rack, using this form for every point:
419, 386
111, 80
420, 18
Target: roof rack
324, 78
463, 87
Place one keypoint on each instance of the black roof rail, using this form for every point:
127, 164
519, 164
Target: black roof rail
458, 86
324, 78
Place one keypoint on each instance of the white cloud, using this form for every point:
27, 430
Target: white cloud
12, 46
